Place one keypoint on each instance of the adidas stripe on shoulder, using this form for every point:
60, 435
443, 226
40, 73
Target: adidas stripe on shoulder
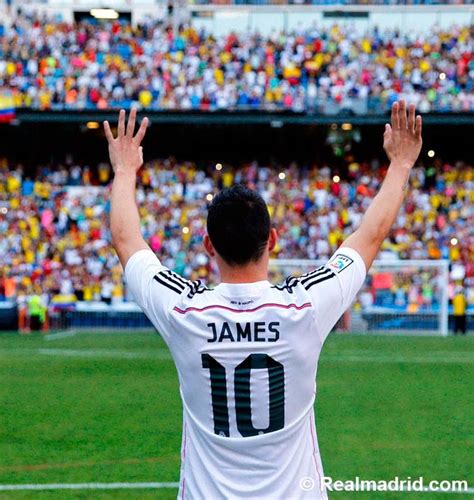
307, 280
169, 282
178, 284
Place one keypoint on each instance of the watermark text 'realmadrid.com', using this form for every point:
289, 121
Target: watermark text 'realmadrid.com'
395, 484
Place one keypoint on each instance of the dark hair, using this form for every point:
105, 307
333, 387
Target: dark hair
238, 225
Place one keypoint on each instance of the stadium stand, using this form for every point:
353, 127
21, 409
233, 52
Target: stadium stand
51, 65
55, 222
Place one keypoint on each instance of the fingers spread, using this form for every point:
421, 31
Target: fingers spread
141, 131
403, 114
395, 118
131, 122
108, 132
121, 124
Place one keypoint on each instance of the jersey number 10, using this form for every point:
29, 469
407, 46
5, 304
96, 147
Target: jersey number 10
243, 410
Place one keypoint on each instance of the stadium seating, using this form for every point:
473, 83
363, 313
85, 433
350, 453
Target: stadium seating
54, 65
55, 223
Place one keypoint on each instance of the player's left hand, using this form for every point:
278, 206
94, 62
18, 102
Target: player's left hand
125, 150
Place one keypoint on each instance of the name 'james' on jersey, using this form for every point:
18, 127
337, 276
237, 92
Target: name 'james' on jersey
246, 356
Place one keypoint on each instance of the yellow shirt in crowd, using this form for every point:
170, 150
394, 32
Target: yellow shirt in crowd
459, 304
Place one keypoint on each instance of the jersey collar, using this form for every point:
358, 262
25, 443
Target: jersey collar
238, 288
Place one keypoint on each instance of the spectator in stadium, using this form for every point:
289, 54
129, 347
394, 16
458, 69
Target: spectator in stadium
459, 310
36, 312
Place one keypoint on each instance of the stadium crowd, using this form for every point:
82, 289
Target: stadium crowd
49, 64
56, 241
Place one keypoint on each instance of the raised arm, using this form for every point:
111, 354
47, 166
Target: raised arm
402, 143
126, 157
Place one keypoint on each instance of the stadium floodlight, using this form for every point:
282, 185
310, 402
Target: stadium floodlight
104, 13
431, 153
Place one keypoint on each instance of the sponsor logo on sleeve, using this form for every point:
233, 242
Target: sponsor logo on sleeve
339, 262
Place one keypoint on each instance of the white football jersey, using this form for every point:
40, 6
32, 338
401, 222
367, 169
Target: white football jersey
246, 356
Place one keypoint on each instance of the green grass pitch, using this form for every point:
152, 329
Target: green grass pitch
106, 408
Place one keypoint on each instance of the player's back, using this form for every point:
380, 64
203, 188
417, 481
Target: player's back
246, 359
246, 356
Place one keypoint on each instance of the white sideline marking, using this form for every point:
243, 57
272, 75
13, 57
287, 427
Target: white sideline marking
137, 486
159, 354
436, 358
87, 486
61, 334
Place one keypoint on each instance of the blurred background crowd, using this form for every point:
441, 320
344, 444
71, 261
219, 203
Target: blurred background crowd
56, 241
49, 64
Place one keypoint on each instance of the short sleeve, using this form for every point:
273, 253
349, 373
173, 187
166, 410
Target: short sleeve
334, 286
154, 287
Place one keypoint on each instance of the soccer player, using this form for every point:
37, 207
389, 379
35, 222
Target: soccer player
247, 350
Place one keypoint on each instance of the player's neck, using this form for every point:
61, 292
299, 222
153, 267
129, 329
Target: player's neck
250, 273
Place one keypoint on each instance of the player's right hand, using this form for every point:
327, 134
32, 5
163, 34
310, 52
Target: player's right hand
125, 150
402, 139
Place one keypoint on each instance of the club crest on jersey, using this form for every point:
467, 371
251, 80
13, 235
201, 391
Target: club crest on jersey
339, 262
